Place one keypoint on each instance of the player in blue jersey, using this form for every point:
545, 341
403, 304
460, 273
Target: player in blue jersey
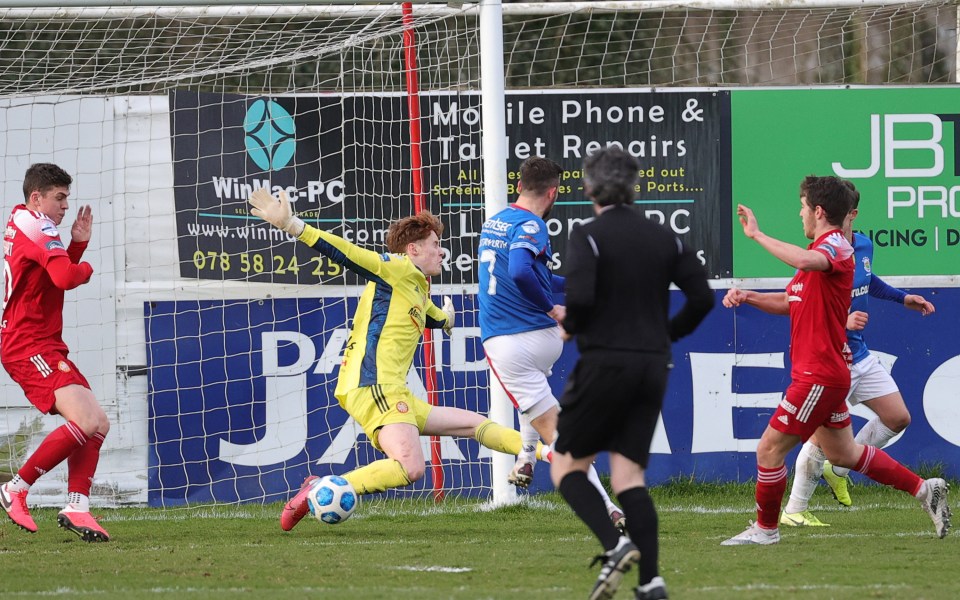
518, 317
870, 384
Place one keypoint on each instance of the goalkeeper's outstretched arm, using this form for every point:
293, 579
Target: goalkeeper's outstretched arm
278, 212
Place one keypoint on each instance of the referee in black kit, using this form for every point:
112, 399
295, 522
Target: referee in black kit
620, 267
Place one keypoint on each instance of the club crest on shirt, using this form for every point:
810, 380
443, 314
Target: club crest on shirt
63, 366
866, 264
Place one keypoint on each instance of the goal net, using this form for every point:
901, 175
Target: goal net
214, 342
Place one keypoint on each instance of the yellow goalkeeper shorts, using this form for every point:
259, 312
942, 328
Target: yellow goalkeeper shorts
377, 405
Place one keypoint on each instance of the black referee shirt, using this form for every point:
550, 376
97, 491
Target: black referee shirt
620, 267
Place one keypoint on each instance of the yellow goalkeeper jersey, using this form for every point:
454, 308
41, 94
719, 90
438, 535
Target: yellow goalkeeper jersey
394, 310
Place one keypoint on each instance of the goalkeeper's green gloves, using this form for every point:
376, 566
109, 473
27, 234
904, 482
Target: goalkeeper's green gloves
276, 211
448, 310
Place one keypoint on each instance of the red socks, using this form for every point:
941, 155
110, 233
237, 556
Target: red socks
771, 485
53, 450
82, 464
878, 466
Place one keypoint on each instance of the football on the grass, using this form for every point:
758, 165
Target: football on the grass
332, 499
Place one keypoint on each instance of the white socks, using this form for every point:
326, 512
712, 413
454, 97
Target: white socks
875, 434
77, 502
17, 485
528, 440
805, 478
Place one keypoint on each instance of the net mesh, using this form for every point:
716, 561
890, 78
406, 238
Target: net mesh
213, 342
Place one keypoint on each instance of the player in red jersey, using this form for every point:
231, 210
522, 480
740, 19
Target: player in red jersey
37, 271
818, 300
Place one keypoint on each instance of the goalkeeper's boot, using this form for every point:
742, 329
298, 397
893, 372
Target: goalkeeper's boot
522, 473
616, 562
933, 496
15, 503
82, 524
655, 590
839, 486
619, 521
802, 519
296, 508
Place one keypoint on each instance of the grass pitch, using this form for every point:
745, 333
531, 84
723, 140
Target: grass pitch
882, 547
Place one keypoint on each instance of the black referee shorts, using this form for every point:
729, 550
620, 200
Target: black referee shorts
612, 402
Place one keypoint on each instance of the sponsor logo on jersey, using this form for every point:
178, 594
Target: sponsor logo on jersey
531, 227
789, 407
416, 315
839, 417
63, 366
48, 228
847, 355
496, 225
54, 245
402, 407
10, 232
493, 243
796, 288
530, 239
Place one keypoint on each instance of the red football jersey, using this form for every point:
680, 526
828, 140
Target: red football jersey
819, 303
32, 304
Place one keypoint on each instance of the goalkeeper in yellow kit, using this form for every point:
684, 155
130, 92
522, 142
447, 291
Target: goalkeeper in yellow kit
394, 310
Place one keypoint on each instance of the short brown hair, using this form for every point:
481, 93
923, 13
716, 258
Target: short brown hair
537, 175
40, 177
412, 229
837, 197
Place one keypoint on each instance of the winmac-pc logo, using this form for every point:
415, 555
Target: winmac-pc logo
270, 135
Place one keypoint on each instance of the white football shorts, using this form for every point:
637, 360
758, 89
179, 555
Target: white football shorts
522, 363
869, 380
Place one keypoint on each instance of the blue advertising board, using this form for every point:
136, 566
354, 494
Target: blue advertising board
242, 406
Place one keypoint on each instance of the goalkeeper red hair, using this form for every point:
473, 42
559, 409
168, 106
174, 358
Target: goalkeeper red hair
412, 229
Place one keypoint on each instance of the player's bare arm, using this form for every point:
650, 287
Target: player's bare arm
774, 303
795, 256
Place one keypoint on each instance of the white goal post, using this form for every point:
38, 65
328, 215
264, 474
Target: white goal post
213, 346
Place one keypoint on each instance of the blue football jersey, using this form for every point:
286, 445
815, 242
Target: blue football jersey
863, 256
503, 308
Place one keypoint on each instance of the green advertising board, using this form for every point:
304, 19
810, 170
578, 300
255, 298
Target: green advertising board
897, 145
